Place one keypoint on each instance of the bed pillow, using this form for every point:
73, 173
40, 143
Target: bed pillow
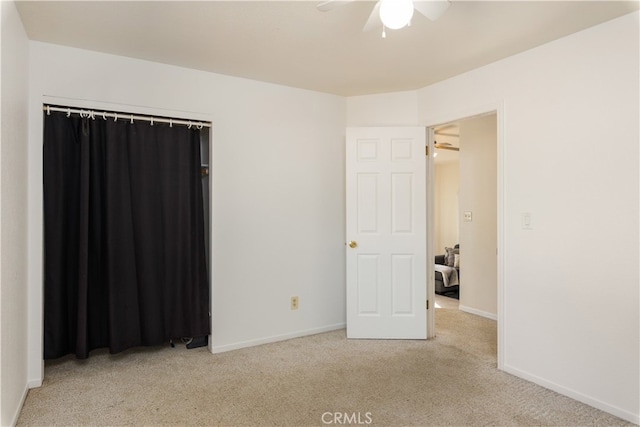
449, 257
456, 260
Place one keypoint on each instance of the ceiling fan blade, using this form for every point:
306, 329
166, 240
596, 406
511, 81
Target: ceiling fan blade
446, 147
432, 9
328, 5
374, 19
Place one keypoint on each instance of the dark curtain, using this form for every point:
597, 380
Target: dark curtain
124, 254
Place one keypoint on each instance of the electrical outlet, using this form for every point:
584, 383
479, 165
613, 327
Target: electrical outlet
294, 303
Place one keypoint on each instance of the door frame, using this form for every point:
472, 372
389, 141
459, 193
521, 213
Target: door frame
452, 115
431, 287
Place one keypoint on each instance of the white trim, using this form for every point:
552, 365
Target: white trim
277, 338
500, 112
498, 108
465, 113
431, 286
211, 210
596, 403
477, 312
34, 384
18, 410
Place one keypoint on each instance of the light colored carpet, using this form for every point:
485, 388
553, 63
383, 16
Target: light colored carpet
449, 381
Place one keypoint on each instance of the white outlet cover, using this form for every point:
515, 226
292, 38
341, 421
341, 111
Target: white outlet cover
468, 216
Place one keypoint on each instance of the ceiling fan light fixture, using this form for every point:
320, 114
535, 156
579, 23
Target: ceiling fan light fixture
396, 14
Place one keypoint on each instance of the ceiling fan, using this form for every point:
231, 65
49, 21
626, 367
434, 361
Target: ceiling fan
445, 146
394, 14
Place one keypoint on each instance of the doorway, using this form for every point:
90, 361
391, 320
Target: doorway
467, 181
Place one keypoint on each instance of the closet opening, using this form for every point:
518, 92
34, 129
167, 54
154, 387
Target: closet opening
127, 236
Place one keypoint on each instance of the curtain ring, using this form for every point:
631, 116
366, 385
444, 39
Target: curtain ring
81, 114
170, 122
68, 112
189, 124
104, 115
151, 121
199, 126
48, 110
93, 115
115, 117
132, 119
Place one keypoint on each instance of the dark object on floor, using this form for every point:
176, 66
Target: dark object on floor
198, 342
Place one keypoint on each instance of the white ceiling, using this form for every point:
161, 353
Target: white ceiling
292, 43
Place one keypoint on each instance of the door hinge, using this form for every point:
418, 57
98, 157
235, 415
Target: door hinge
426, 150
427, 304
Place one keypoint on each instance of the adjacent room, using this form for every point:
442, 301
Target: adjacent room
520, 98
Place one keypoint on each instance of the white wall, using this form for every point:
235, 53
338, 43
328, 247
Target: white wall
446, 184
566, 319
13, 205
386, 109
560, 324
478, 195
278, 185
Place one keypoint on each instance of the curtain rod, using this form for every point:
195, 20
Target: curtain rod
125, 116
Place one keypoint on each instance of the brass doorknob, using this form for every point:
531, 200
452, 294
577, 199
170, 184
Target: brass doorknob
353, 244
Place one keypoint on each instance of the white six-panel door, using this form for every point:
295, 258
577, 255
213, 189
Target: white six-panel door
386, 232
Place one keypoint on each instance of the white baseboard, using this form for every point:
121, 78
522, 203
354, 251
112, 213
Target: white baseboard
34, 383
275, 338
598, 404
477, 312
16, 414
30, 384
